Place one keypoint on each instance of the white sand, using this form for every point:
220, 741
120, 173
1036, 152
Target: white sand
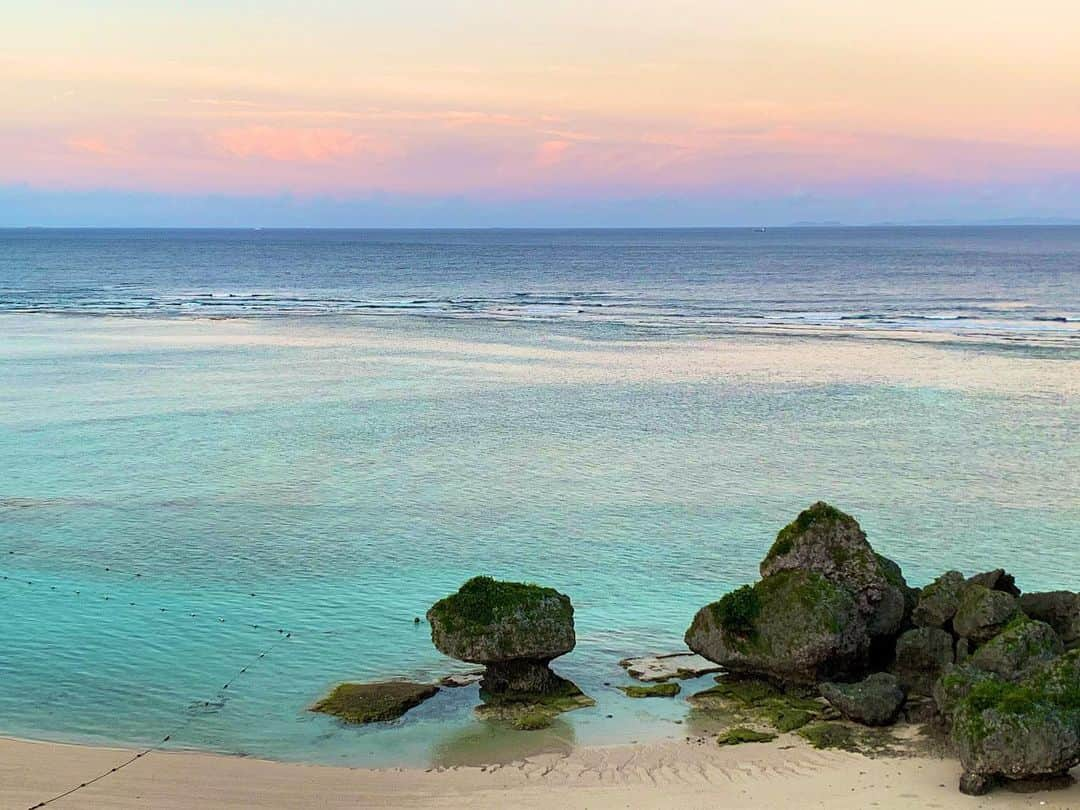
784, 774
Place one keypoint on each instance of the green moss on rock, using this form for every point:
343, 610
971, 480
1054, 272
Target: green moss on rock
656, 690
483, 601
829, 735
373, 702
736, 611
819, 515
741, 734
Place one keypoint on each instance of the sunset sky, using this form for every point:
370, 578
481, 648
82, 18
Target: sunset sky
417, 112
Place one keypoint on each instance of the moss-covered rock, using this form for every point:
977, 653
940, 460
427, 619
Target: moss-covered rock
527, 711
656, 690
955, 683
513, 628
938, 601
742, 734
997, 580
830, 735
1024, 729
983, 613
757, 701
1059, 609
374, 702
1023, 644
922, 655
873, 701
793, 626
830, 542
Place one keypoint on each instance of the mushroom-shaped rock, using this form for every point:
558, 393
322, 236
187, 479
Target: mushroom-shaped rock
512, 628
1059, 609
831, 543
1024, 730
874, 701
793, 626
939, 600
983, 613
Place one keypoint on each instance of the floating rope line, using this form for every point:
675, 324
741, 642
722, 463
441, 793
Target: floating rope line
220, 697
214, 617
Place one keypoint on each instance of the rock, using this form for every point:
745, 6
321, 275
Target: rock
919, 709
963, 650
668, 666
374, 702
793, 626
656, 690
1022, 644
939, 600
829, 735
875, 701
512, 628
975, 784
741, 734
824, 540
757, 701
996, 580
954, 685
922, 655
1023, 730
1059, 609
456, 680
983, 613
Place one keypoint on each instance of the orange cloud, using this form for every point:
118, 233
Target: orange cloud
308, 145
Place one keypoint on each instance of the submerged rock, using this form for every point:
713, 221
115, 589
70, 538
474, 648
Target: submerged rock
939, 600
922, 655
874, 701
793, 626
1059, 609
374, 702
1024, 643
756, 701
1023, 730
669, 666
656, 690
983, 613
513, 629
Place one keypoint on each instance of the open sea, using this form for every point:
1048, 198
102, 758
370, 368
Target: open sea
236, 464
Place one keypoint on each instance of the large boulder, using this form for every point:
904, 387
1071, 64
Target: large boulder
794, 626
874, 701
1016, 649
997, 580
1024, 730
939, 600
512, 628
922, 655
831, 543
1059, 609
983, 613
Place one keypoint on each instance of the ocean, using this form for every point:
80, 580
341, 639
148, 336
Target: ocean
253, 457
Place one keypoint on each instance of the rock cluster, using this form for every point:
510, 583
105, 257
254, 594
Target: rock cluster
1003, 668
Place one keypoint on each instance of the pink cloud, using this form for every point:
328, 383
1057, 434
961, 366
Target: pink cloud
551, 153
305, 145
91, 145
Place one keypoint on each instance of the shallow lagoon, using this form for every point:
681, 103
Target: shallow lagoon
331, 478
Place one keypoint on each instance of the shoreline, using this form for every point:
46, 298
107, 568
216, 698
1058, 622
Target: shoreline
686, 774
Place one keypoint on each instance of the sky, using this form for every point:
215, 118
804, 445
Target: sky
561, 112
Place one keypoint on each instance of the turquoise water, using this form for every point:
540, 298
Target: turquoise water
330, 478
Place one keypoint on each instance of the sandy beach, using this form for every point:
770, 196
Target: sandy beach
786, 773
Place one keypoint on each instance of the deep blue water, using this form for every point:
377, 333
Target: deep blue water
967, 280
626, 416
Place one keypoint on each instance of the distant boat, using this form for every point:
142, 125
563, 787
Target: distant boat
759, 230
